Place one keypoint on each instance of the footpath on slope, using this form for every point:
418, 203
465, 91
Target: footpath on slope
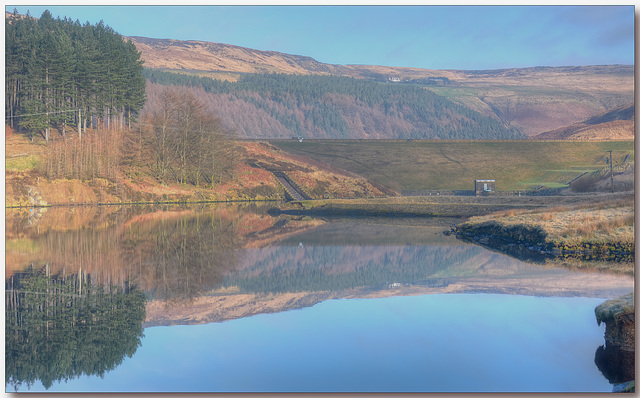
291, 190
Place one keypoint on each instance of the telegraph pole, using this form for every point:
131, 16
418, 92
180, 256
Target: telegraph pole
611, 170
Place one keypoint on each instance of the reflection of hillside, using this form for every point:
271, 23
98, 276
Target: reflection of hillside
272, 279
314, 267
319, 268
288, 269
266, 230
384, 231
223, 307
229, 261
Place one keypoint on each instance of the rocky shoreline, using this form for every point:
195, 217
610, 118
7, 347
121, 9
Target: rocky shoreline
616, 359
531, 243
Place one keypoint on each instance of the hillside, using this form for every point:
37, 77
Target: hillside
531, 100
199, 56
427, 166
26, 186
312, 106
617, 124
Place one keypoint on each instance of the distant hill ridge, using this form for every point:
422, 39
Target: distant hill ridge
203, 56
197, 55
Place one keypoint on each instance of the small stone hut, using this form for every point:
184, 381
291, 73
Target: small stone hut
485, 187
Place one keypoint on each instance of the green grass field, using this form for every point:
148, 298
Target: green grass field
23, 163
454, 165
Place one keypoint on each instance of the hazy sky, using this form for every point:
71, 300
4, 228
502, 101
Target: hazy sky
433, 37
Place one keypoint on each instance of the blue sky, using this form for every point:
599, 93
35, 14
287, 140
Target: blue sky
433, 37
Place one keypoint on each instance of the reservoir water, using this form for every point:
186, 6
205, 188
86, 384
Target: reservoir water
230, 299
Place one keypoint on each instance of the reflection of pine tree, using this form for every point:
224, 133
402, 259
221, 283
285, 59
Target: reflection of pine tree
59, 328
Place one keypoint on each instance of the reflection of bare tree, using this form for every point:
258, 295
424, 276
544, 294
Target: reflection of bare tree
89, 251
171, 253
182, 258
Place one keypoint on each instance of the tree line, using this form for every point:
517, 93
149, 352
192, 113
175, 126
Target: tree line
317, 106
60, 73
177, 138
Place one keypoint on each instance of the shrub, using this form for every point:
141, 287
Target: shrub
584, 184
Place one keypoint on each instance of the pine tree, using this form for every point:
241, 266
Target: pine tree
60, 73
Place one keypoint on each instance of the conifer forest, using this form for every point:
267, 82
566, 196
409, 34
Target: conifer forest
61, 73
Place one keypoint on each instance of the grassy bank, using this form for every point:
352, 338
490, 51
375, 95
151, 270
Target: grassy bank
567, 230
418, 206
438, 206
454, 165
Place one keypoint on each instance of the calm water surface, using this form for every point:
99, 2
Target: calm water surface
230, 299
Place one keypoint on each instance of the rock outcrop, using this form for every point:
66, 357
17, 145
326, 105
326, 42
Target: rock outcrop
616, 359
618, 315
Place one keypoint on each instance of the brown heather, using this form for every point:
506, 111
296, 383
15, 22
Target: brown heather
601, 222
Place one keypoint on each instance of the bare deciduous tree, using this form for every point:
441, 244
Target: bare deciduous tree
189, 144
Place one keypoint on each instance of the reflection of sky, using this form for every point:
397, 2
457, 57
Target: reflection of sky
431, 343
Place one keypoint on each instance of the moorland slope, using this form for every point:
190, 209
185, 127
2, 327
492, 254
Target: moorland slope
617, 124
532, 100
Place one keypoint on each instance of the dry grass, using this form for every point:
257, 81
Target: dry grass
602, 222
593, 226
317, 179
20, 153
449, 165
